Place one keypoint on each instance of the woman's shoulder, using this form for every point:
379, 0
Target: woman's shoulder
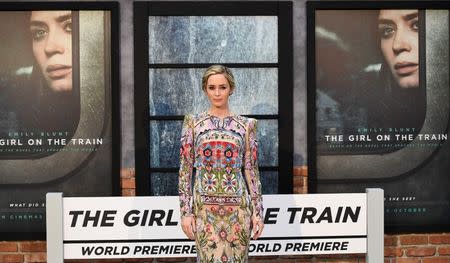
195, 117
246, 121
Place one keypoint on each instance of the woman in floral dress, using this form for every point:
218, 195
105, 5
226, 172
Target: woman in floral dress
224, 205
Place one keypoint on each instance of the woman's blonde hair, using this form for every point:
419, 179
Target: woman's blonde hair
218, 69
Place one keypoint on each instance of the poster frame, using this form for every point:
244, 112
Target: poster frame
142, 10
313, 180
113, 100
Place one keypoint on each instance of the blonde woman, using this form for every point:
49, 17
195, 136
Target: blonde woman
225, 205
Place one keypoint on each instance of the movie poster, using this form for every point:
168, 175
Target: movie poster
382, 110
55, 112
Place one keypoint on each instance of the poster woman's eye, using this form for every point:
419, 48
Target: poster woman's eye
386, 31
67, 26
38, 34
415, 25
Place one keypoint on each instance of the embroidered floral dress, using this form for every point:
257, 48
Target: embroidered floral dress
222, 156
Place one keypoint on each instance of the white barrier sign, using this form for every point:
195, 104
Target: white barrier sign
136, 227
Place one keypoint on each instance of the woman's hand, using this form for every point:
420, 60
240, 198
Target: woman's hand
257, 226
188, 226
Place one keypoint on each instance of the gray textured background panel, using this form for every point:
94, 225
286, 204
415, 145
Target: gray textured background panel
213, 39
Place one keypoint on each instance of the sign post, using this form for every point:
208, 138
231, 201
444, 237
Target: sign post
375, 225
55, 227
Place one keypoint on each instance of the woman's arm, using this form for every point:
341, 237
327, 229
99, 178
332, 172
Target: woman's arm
185, 177
186, 166
252, 177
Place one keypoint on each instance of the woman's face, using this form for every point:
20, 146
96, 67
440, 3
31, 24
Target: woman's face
399, 32
51, 32
218, 90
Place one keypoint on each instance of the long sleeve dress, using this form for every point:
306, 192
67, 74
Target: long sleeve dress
223, 198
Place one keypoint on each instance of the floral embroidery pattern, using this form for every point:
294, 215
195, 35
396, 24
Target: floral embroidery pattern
207, 153
223, 198
229, 183
210, 182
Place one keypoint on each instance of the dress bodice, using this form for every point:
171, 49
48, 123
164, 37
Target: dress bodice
217, 149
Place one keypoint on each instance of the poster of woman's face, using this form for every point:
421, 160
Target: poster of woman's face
40, 82
381, 109
51, 33
399, 43
55, 111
